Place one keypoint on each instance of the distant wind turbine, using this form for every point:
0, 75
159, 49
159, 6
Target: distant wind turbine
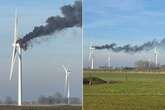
156, 56
91, 55
109, 61
67, 84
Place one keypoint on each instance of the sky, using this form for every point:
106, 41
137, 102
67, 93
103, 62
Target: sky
123, 22
42, 71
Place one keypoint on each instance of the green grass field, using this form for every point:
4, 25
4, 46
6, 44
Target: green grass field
132, 91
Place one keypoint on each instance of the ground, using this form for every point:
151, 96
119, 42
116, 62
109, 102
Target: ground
6, 107
131, 90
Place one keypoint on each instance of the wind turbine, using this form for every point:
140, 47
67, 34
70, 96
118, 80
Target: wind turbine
156, 56
17, 51
91, 55
67, 85
109, 61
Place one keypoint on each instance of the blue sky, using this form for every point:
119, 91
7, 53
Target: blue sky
123, 22
42, 72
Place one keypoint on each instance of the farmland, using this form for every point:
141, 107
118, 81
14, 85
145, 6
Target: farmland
64, 107
125, 90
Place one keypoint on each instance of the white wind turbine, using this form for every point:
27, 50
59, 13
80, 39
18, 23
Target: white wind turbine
91, 55
109, 61
17, 51
67, 84
156, 56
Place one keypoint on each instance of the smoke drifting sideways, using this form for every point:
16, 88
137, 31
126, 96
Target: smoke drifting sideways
71, 17
132, 49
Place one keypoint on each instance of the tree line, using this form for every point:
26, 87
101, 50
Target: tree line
57, 98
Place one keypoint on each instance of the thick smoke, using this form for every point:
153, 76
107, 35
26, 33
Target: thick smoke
132, 49
72, 16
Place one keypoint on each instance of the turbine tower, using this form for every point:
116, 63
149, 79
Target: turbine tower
91, 55
67, 85
17, 51
156, 56
109, 61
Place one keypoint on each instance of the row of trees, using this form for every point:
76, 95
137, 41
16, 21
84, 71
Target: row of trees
142, 64
57, 99
52, 99
139, 65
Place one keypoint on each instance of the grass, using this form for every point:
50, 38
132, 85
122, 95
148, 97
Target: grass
134, 91
122, 76
122, 102
127, 87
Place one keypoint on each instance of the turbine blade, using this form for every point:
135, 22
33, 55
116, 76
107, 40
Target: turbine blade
15, 27
13, 61
14, 46
65, 69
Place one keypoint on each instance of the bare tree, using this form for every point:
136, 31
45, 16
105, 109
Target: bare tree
42, 100
144, 65
57, 98
9, 100
75, 100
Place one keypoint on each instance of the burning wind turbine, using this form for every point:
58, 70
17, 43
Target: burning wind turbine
17, 51
71, 17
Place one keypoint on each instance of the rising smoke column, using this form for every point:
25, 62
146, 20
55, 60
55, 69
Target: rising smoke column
132, 49
72, 17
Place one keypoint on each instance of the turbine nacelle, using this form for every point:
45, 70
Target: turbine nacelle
66, 69
91, 47
16, 45
69, 72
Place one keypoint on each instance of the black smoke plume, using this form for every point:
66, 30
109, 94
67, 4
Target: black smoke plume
132, 49
72, 17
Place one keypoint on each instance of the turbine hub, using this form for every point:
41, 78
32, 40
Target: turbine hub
15, 44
